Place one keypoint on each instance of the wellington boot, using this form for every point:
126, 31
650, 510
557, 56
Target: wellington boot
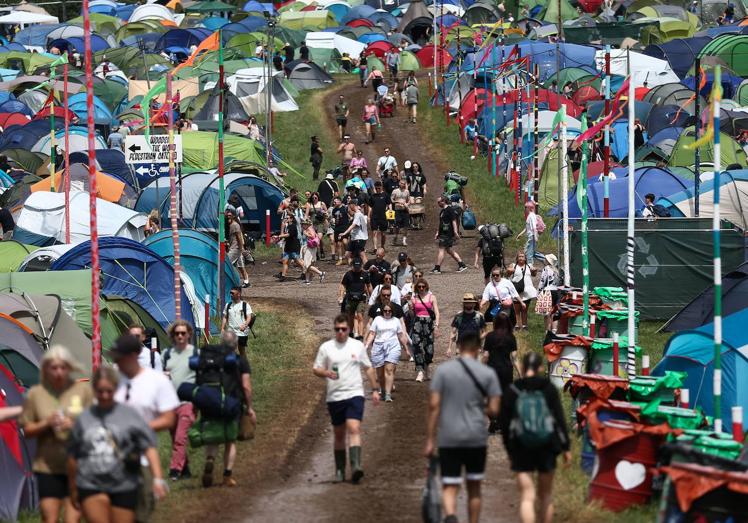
340, 465
356, 471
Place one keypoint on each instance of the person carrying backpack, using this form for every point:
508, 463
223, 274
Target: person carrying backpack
491, 248
534, 433
534, 227
238, 318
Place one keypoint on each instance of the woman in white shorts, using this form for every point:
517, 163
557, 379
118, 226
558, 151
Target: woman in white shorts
385, 339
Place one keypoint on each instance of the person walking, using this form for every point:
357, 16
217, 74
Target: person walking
377, 268
411, 98
385, 339
380, 204
236, 244
346, 150
315, 157
548, 294
148, 357
358, 231
341, 222
151, 394
491, 248
49, 412
316, 212
400, 200
342, 112
177, 368
340, 361
500, 353
532, 233
238, 318
425, 312
468, 320
236, 382
447, 235
463, 393
312, 241
291, 247
521, 275
362, 64
402, 270
353, 292
371, 118
416, 181
328, 189
376, 77
104, 455
500, 295
385, 163
534, 393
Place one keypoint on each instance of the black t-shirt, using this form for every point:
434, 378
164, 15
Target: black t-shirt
327, 190
376, 310
377, 276
355, 282
468, 322
500, 348
379, 203
304, 52
342, 220
314, 150
415, 184
390, 184
446, 217
6, 220
292, 242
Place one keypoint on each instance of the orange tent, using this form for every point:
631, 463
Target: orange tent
107, 187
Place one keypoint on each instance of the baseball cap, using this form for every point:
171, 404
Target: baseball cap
124, 345
407, 164
402, 256
357, 262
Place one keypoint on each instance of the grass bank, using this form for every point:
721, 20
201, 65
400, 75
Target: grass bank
492, 201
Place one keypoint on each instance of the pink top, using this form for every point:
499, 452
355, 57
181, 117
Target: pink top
422, 308
370, 110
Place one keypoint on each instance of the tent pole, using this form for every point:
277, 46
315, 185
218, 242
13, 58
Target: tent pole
697, 129
564, 196
52, 136
558, 157
173, 202
585, 234
606, 138
631, 367
67, 151
95, 277
535, 141
717, 386
221, 186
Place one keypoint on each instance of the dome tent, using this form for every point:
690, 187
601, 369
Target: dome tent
307, 75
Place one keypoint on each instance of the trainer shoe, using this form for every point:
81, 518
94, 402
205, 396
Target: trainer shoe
419, 376
322, 277
405, 241
229, 481
174, 475
462, 268
436, 270
208, 473
388, 398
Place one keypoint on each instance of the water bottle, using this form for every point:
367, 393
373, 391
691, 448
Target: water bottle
335, 370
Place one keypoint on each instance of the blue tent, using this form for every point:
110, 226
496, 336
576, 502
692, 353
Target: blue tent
214, 23
259, 7
692, 351
198, 256
339, 10
102, 114
664, 116
379, 18
15, 106
35, 35
680, 53
665, 139
26, 136
131, 270
369, 38
359, 11
729, 81
97, 43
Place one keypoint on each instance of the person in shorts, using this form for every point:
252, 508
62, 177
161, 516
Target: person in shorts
291, 247
463, 392
357, 231
385, 339
238, 318
341, 115
340, 221
400, 199
447, 235
380, 204
340, 361
347, 150
353, 294
236, 244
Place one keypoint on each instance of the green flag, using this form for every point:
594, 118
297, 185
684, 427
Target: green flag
145, 105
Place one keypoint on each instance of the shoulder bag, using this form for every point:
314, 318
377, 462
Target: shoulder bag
520, 285
431, 312
473, 378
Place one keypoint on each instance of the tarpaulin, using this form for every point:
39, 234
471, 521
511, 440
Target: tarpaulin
693, 481
644, 388
556, 346
603, 387
607, 433
676, 417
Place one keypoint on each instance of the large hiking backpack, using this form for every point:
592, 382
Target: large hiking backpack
532, 425
661, 211
493, 244
217, 379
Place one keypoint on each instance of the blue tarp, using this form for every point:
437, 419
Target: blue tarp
131, 270
692, 351
730, 84
198, 256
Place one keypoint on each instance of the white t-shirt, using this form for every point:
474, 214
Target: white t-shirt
386, 329
236, 318
359, 231
144, 359
500, 291
386, 162
150, 393
530, 291
349, 358
396, 296
531, 226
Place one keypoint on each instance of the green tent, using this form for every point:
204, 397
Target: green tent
102, 24
200, 149
372, 62
210, 6
308, 20
408, 61
119, 313
731, 49
549, 180
730, 151
12, 254
567, 11
31, 61
131, 61
327, 59
742, 95
572, 74
111, 93
137, 28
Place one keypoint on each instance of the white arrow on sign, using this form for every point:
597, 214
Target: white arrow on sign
154, 150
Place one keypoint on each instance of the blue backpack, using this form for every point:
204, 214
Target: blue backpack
469, 222
532, 425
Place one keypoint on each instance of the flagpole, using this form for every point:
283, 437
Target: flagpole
52, 137
173, 202
564, 196
67, 150
717, 386
221, 186
606, 138
585, 234
95, 276
535, 139
631, 367
696, 129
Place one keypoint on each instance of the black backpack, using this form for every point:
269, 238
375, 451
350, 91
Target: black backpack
661, 211
217, 366
493, 245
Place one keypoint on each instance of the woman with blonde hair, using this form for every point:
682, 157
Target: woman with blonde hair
371, 119
49, 412
312, 241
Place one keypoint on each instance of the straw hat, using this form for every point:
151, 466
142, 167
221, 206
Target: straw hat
551, 260
469, 297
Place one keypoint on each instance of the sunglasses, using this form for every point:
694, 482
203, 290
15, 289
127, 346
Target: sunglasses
180, 333
386, 311
341, 329
496, 275
386, 295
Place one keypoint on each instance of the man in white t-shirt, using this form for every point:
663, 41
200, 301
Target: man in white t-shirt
358, 231
238, 318
340, 361
151, 394
148, 357
386, 162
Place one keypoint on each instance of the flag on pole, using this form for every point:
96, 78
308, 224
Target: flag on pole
582, 201
209, 44
708, 136
145, 105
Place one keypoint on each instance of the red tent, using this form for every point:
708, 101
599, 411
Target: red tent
472, 104
59, 113
584, 94
360, 22
8, 119
544, 96
379, 48
426, 56
595, 169
590, 6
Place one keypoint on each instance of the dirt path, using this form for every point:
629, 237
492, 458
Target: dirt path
301, 489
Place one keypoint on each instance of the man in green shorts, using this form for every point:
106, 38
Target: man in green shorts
341, 115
